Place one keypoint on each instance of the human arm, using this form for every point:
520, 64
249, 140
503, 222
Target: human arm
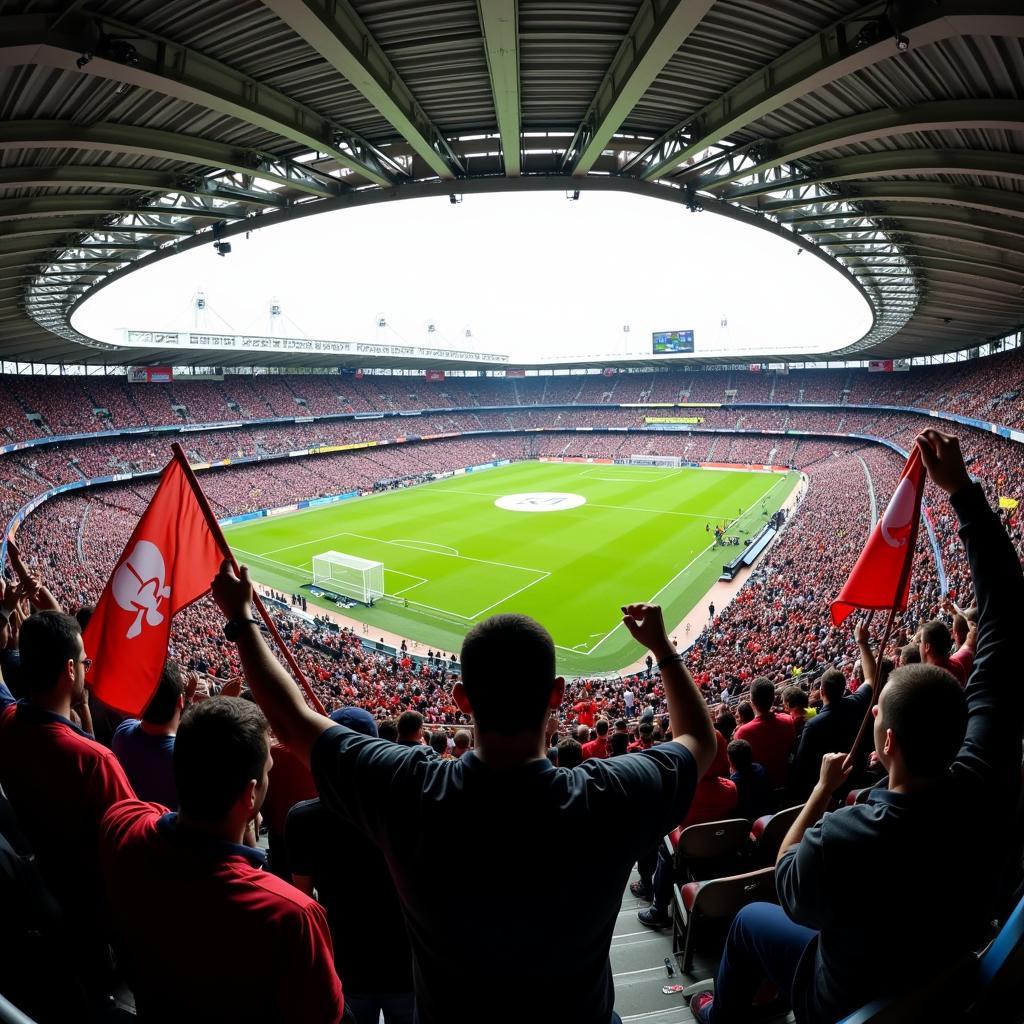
687, 710
31, 588
989, 760
290, 718
867, 657
834, 772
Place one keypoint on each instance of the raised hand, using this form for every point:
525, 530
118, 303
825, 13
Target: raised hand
941, 456
647, 626
835, 770
232, 593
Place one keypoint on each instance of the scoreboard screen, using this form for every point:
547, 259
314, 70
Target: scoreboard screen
672, 341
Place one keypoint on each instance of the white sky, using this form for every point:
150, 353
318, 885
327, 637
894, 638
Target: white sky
529, 274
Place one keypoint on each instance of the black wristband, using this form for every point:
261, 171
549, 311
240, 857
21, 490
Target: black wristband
671, 657
233, 628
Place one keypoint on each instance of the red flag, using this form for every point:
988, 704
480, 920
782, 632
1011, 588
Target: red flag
881, 578
168, 563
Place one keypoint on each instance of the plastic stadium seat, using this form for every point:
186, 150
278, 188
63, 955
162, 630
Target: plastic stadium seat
769, 830
704, 851
697, 904
1000, 974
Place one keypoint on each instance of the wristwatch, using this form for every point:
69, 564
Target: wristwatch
233, 628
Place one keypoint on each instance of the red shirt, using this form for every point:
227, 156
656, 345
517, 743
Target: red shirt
961, 664
60, 783
714, 799
771, 738
168, 888
720, 765
596, 748
289, 782
586, 712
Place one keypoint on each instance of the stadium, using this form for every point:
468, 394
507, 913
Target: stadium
703, 331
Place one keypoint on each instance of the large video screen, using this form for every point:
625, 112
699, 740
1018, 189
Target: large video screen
672, 341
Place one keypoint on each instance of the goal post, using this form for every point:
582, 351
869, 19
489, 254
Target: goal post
358, 578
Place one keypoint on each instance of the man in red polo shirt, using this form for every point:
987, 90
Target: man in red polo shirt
935, 643
598, 747
195, 866
59, 780
772, 737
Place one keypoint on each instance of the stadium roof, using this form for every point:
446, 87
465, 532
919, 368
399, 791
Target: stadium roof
886, 138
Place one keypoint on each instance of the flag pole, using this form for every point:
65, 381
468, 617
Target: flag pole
218, 535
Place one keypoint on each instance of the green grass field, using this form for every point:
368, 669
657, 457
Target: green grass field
452, 557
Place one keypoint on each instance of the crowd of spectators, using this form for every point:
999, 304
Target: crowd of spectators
769, 665
32, 407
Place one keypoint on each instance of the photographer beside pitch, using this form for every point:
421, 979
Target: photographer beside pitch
863, 890
538, 847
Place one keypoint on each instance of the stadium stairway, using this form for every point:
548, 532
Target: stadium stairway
638, 967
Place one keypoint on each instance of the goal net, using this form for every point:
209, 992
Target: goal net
358, 578
668, 461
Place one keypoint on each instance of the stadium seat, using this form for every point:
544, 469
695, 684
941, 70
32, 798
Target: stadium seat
708, 850
767, 833
1000, 975
697, 904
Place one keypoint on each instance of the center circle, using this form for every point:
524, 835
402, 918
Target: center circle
541, 501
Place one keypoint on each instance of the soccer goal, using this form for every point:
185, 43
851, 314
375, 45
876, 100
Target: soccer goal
666, 461
358, 578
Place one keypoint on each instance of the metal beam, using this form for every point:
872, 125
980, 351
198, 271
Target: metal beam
940, 232
169, 69
336, 32
937, 213
499, 22
867, 194
58, 228
44, 206
151, 142
823, 58
658, 30
874, 165
135, 179
942, 115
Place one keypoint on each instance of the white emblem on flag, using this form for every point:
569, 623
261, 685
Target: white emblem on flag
138, 586
898, 514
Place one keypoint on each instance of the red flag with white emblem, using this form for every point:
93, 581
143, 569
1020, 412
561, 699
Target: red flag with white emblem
168, 563
881, 578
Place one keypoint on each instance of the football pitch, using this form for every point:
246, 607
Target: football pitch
572, 544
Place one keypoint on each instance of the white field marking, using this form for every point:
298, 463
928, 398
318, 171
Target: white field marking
509, 597
420, 580
379, 540
703, 551
274, 561
653, 511
426, 545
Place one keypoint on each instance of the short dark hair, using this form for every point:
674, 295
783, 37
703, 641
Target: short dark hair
409, 723
961, 626
602, 727
164, 702
833, 684
508, 671
646, 730
387, 730
910, 654
619, 743
927, 713
795, 697
744, 712
570, 753
741, 755
726, 724
221, 744
439, 741
47, 642
621, 725
935, 633
762, 694
463, 739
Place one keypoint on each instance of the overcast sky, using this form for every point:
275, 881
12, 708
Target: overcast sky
526, 274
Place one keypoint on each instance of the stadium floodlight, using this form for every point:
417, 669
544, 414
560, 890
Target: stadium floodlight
349, 576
